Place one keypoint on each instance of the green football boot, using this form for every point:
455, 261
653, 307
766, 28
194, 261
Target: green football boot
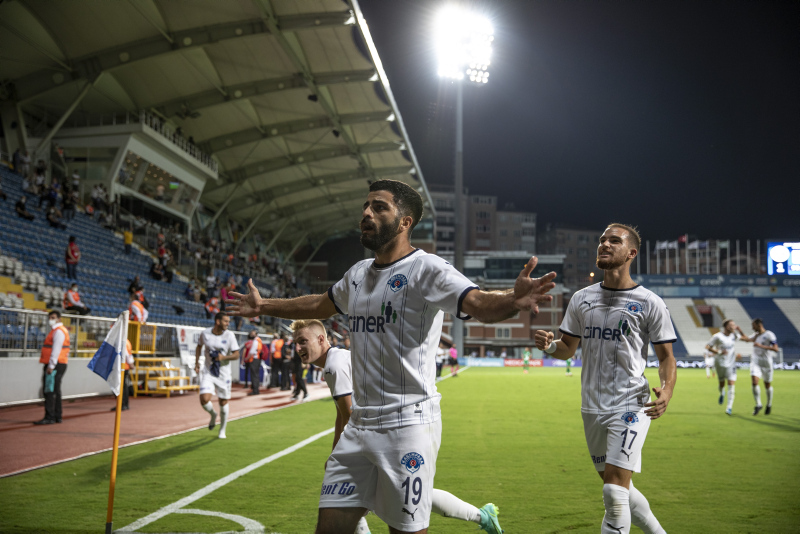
489, 521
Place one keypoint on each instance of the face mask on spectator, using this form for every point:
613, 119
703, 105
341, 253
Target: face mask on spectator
53, 322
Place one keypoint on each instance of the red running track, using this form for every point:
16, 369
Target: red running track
88, 424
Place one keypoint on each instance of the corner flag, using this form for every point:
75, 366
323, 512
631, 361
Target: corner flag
107, 361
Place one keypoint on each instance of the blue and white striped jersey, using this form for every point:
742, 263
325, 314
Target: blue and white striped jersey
615, 327
395, 313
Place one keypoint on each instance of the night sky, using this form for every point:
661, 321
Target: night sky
679, 117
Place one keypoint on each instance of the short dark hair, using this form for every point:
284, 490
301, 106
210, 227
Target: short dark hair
72, 239
54, 312
636, 240
219, 316
725, 324
758, 321
405, 197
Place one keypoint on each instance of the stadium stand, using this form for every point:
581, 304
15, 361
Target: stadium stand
688, 327
777, 315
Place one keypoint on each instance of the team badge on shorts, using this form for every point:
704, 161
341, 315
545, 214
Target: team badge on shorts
412, 461
634, 307
397, 282
630, 418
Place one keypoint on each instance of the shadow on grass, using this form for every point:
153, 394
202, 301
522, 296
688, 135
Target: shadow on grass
155, 458
790, 425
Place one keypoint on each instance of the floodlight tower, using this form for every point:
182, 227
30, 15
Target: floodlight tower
464, 49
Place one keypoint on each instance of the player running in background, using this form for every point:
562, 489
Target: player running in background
723, 346
569, 367
453, 360
615, 321
220, 347
764, 344
708, 357
526, 360
313, 347
396, 304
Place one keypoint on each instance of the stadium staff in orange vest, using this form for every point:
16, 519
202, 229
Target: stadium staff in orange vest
252, 359
55, 354
72, 301
137, 310
127, 364
212, 307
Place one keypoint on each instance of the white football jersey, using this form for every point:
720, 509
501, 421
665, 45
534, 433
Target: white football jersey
767, 339
224, 343
396, 313
726, 344
615, 327
337, 373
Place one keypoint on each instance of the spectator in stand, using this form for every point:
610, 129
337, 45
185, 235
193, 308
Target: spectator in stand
69, 207
135, 285
251, 357
72, 257
127, 237
157, 271
266, 351
138, 313
162, 254
25, 164
38, 185
54, 218
55, 356
72, 301
277, 359
22, 212
26, 185
16, 161
49, 195
212, 307
223, 293
76, 181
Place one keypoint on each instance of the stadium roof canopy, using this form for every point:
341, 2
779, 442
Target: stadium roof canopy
289, 96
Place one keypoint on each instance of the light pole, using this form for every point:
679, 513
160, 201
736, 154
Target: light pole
464, 49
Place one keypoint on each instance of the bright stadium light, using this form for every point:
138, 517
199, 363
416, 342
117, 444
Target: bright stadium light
463, 45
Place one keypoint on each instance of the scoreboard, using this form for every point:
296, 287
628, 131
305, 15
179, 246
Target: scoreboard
783, 258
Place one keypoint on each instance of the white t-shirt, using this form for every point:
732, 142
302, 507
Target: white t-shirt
224, 344
395, 313
337, 372
441, 355
615, 327
727, 344
767, 339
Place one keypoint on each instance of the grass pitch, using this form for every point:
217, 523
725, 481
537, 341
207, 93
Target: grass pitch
508, 438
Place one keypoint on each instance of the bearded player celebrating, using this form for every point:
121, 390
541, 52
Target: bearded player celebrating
615, 321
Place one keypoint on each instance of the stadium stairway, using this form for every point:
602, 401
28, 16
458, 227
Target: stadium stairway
104, 271
776, 320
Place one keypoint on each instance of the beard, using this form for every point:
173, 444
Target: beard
383, 234
611, 263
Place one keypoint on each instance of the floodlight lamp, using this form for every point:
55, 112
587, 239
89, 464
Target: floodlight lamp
463, 44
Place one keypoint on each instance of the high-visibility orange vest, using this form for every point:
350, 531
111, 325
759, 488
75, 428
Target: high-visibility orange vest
75, 297
140, 295
47, 349
125, 364
277, 354
135, 304
247, 346
213, 305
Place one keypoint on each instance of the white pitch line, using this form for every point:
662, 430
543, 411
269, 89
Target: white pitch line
199, 494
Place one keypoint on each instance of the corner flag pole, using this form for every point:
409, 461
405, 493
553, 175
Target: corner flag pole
115, 450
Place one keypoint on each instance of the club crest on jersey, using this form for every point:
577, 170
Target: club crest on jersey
630, 418
634, 307
397, 282
412, 461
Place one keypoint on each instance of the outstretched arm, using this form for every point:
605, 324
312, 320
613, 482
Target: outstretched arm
305, 307
527, 294
667, 372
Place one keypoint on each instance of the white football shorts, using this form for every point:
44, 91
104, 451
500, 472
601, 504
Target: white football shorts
387, 471
709, 361
725, 373
761, 368
616, 439
214, 384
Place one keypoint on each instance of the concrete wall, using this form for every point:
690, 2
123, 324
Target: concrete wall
21, 380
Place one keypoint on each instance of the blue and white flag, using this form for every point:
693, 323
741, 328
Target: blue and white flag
107, 361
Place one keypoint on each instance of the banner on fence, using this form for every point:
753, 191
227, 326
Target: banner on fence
188, 337
518, 362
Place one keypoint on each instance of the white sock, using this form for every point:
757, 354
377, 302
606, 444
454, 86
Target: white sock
641, 515
210, 409
223, 418
731, 395
618, 510
708, 372
448, 505
769, 396
757, 395
362, 527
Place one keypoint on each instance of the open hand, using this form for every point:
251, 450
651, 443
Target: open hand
244, 305
530, 292
656, 409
